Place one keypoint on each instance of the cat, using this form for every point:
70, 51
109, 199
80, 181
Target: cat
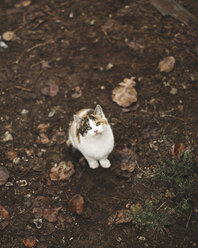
91, 134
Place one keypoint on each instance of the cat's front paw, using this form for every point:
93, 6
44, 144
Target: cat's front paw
105, 163
93, 164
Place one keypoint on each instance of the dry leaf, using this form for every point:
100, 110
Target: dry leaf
125, 94
29, 241
63, 171
59, 137
42, 139
76, 204
4, 218
50, 89
4, 174
40, 203
12, 155
136, 207
167, 64
24, 3
120, 216
126, 157
178, 150
42, 208
51, 214
77, 92
130, 167
132, 108
43, 127
8, 36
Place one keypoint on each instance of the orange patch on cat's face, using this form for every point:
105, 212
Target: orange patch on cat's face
100, 119
96, 118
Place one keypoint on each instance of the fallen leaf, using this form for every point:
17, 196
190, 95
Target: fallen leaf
50, 89
125, 94
132, 108
4, 175
42, 139
178, 150
24, 3
29, 241
4, 218
50, 214
130, 167
45, 64
77, 92
126, 157
167, 64
42, 208
63, 171
120, 216
8, 36
59, 137
12, 155
76, 204
136, 207
40, 203
43, 127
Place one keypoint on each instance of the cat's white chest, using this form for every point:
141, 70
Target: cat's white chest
97, 147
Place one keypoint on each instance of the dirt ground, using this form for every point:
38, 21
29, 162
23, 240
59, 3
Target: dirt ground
93, 46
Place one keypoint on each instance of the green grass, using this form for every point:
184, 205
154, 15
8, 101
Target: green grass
178, 175
150, 218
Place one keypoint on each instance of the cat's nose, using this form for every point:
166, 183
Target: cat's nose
96, 131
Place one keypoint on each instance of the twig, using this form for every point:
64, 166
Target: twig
161, 205
21, 88
39, 45
106, 35
187, 224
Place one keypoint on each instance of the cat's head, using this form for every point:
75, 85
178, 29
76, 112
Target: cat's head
92, 124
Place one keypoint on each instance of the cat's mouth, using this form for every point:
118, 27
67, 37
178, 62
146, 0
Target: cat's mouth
98, 134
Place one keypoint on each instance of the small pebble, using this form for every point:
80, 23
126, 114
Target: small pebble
24, 111
180, 107
7, 137
92, 22
16, 160
109, 66
173, 91
71, 15
52, 113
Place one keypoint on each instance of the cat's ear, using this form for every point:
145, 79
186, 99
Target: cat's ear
77, 119
98, 111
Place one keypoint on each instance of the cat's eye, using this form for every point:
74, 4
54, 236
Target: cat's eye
88, 127
98, 124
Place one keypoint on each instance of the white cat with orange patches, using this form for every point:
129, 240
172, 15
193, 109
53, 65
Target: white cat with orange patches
92, 135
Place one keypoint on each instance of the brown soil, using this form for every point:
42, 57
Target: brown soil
77, 40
